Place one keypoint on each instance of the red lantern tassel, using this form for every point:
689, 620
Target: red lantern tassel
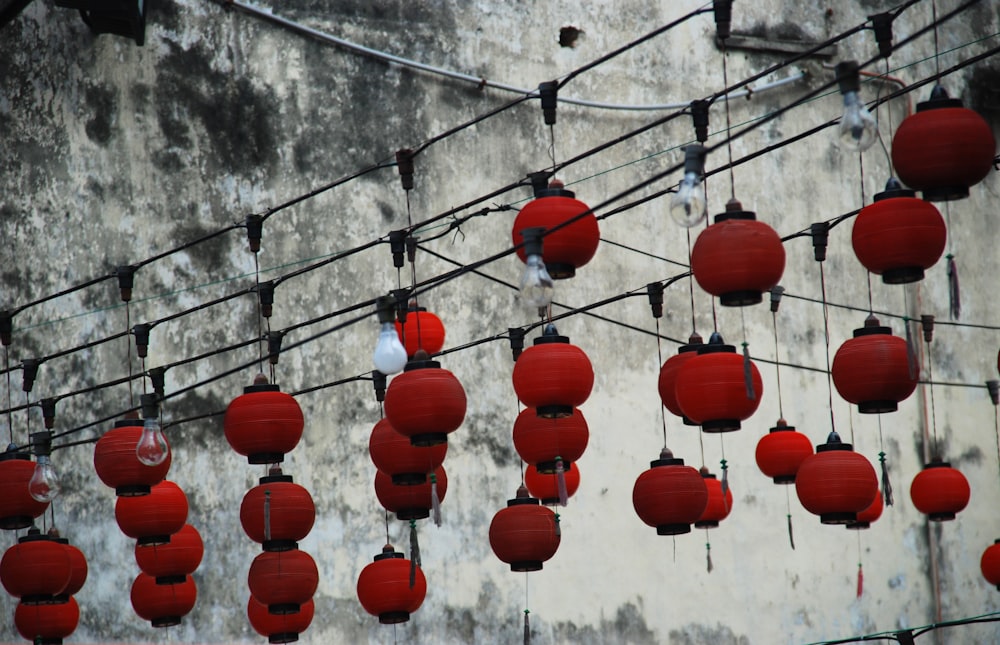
791, 538
747, 377
558, 527
886, 486
267, 515
708, 556
435, 500
561, 482
954, 297
724, 484
414, 553
527, 628
861, 581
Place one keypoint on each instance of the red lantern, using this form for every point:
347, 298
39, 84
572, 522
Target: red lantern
393, 454
284, 628
287, 506
17, 507
939, 491
667, 384
78, 567
872, 369
384, 587
719, 504
738, 257
570, 247
670, 495
943, 148
152, 519
411, 502
836, 483
421, 330
425, 403
544, 441
781, 451
170, 563
36, 569
283, 580
47, 623
525, 534
712, 388
546, 486
990, 564
263, 423
117, 465
898, 236
552, 375
163, 605
869, 515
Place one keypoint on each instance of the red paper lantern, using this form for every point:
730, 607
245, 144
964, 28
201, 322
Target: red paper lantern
17, 507
872, 369
719, 504
667, 384
284, 628
287, 506
711, 388
36, 569
48, 623
836, 483
425, 403
670, 495
570, 247
422, 330
543, 441
737, 258
781, 451
553, 376
943, 149
939, 491
869, 515
78, 567
546, 486
413, 502
898, 236
283, 580
393, 454
163, 605
990, 564
525, 534
263, 423
152, 519
170, 563
384, 587
117, 465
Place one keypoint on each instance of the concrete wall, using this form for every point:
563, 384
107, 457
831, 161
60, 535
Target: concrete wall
113, 153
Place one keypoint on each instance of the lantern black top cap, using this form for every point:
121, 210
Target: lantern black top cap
550, 330
848, 77
833, 437
716, 339
666, 453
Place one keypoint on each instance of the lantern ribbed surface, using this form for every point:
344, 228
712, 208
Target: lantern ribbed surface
540, 440
989, 564
898, 237
283, 628
384, 588
422, 330
711, 389
940, 491
781, 451
524, 534
47, 623
117, 465
719, 505
263, 424
288, 506
869, 515
670, 496
36, 569
283, 580
545, 487
836, 483
169, 563
78, 566
17, 507
425, 403
872, 369
163, 605
567, 249
667, 383
412, 502
553, 376
152, 519
394, 454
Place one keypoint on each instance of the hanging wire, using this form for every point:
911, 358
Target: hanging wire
826, 344
659, 362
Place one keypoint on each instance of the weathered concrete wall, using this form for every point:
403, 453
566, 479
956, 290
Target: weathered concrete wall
112, 153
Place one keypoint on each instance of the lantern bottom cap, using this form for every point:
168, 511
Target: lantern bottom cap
841, 517
284, 608
175, 579
673, 529
413, 513
857, 526
721, 425
409, 479
393, 617
554, 411
48, 641
521, 566
550, 501
877, 407
265, 458
166, 621
560, 270
945, 193
132, 490
153, 540
940, 517
687, 421
283, 637
39, 599
15, 522
784, 479
707, 524
427, 439
549, 467
276, 546
903, 275
740, 298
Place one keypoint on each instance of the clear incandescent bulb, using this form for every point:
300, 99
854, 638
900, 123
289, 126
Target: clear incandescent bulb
44, 483
857, 130
152, 448
687, 206
390, 355
536, 284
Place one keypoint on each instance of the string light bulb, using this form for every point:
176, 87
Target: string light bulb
857, 130
152, 448
390, 355
536, 285
687, 206
44, 483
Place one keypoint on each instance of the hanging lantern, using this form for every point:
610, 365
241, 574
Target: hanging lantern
712, 388
277, 513
284, 628
667, 384
163, 605
872, 369
546, 486
939, 491
943, 149
990, 564
393, 454
568, 248
425, 402
78, 568
836, 483
47, 624
36, 569
117, 465
524, 534
17, 507
421, 330
898, 236
867, 516
263, 423
781, 451
152, 519
283, 580
385, 588
670, 495
737, 258
719, 504
552, 375
171, 563
542, 442
413, 502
